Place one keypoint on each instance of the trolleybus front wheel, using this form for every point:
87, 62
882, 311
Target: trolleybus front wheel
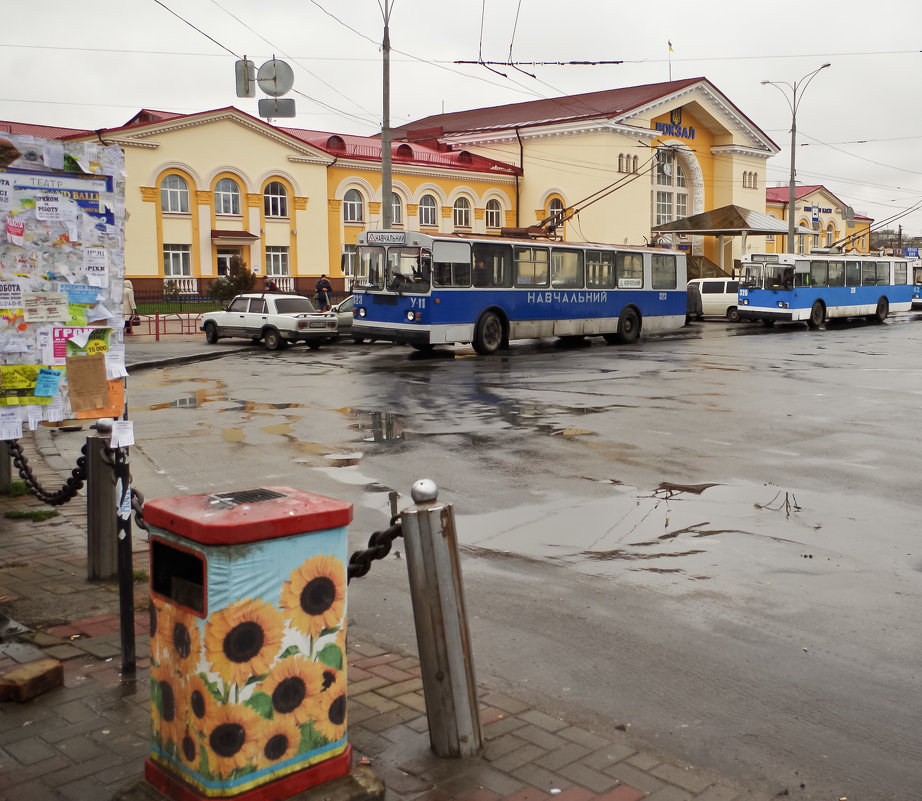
817, 315
488, 335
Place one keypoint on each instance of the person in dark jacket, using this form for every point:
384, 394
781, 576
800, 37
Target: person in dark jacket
324, 288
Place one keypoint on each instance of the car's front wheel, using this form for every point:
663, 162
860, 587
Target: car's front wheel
211, 333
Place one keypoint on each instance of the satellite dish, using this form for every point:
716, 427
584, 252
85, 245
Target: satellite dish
275, 77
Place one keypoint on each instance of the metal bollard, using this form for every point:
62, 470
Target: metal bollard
101, 520
442, 633
6, 467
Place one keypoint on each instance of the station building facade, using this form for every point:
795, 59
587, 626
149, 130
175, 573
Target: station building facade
606, 166
819, 210
204, 188
624, 160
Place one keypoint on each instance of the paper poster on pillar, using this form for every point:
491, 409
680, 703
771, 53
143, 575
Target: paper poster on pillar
61, 266
251, 688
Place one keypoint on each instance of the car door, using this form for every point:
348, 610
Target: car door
255, 318
234, 317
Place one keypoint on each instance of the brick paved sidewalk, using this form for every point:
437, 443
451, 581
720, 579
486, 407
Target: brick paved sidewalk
89, 739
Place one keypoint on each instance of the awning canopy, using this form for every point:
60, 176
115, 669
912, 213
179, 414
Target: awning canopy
221, 237
728, 221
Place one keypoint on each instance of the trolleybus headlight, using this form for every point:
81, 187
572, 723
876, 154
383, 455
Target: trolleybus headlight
362, 311
745, 301
411, 316
780, 305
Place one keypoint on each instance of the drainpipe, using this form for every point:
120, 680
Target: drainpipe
522, 167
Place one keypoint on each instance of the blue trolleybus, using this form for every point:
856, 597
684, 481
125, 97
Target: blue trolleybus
781, 287
423, 290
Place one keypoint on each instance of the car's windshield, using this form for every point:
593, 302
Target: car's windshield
293, 305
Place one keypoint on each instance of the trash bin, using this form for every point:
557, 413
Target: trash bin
248, 643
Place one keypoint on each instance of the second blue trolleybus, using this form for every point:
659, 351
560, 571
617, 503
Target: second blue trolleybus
781, 287
423, 290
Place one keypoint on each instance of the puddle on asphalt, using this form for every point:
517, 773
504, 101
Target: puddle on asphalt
739, 537
380, 426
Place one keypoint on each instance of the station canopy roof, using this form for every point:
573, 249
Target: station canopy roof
728, 221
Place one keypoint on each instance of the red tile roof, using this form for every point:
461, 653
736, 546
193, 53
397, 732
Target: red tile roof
781, 194
369, 148
607, 103
43, 131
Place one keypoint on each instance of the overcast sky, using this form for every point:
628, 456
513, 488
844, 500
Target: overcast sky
94, 66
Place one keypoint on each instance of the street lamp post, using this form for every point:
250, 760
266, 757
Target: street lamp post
797, 92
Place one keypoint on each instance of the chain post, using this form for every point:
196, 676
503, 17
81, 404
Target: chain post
123, 499
101, 518
6, 469
442, 634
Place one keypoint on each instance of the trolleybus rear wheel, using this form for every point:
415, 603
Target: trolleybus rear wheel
883, 309
628, 326
488, 335
817, 315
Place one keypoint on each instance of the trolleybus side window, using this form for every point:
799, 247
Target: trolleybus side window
630, 270
451, 264
664, 272
566, 269
531, 266
492, 265
853, 273
837, 273
899, 272
869, 274
370, 267
917, 278
883, 273
600, 269
819, 273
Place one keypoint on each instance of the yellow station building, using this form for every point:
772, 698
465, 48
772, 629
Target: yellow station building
605, 166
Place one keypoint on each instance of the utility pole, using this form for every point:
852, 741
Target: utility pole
387, 192
794, 103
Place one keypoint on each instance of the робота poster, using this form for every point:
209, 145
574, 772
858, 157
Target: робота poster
62, 210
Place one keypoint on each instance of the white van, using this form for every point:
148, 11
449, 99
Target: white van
718, 297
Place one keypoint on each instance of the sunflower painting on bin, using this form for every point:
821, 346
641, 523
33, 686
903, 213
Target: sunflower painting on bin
256, 687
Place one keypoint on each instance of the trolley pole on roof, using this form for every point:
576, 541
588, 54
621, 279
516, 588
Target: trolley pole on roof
387, 203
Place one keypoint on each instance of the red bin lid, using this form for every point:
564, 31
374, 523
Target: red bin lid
237, 517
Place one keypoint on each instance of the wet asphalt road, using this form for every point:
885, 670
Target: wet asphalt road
709, 538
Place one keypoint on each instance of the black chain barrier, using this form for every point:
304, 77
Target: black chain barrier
379, 546
71, 487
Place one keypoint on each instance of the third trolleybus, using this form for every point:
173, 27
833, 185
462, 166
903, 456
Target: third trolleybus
782, 287
423, 290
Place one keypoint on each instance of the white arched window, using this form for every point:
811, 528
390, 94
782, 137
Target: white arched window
396, 210
174, 195
275, 199
227, 197
353, 207
494, 214
427, 209
462, 213
830, 235
670, 197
